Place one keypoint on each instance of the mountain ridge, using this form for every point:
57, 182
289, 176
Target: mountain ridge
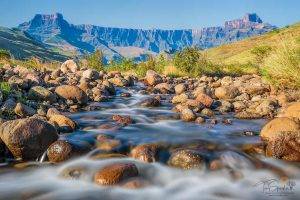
54, 30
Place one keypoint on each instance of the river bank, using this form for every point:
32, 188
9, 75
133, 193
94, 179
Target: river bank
74, 133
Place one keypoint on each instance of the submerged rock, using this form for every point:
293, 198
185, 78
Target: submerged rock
145, 152
135, 183
187, 159
59, 151
150, 102
125, 120
115, 173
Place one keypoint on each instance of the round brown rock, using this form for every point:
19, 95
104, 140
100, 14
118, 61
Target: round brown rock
69, 66
205, 99
285, 146
272, 129
27, 138
186, 159
59, 151
65, 124
115, 173
153, 78
71, 92
145, 152
293, 111
188, 115
40, 93
226, 92
180, 88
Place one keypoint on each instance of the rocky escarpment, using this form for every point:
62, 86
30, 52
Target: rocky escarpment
55, 30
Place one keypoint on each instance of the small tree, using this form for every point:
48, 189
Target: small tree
96, 60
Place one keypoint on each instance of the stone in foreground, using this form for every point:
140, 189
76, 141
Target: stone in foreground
115, 173
27, 138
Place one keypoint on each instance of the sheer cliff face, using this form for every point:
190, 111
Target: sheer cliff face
54, 30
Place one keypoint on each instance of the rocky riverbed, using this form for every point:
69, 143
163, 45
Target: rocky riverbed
76, 133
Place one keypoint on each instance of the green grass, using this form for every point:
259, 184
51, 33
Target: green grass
5, 89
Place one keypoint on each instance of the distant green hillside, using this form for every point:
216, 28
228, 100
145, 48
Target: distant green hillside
22, 46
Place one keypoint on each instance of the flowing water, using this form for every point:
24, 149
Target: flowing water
247, 178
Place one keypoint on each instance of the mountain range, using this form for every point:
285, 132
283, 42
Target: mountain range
53, 30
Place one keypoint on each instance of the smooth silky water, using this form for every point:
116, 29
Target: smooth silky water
156, 125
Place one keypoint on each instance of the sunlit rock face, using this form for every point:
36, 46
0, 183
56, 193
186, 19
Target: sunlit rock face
55, 30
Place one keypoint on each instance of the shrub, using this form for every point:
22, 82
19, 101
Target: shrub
187, 59
96, 60
123, 65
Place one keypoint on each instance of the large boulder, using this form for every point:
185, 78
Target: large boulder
115, 173
278, 125
226, 92
293, 111
27, 138
69, 66
153, 78
71, 92
282, 137
39, 93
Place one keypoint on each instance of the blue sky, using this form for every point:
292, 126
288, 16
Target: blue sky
165, 14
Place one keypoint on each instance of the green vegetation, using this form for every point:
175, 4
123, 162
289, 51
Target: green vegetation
5, 89
4, 54
128, 65
95, 60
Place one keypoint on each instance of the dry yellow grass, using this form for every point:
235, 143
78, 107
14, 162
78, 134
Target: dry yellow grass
240, 52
